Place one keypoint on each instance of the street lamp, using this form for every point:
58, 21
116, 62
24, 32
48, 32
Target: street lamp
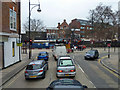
39, 10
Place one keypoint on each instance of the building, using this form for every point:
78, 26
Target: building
81, 28
59, 32
52, 33
63, 30
9, 33
34, 35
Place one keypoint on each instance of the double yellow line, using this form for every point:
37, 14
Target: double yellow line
111, 71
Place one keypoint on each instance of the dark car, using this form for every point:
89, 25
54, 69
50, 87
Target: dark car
66, 84
43, 56
36, 69
92, 54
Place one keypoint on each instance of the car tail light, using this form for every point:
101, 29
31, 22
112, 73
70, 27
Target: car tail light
41, 71
59, 71
46, 56
26, 72
72, 70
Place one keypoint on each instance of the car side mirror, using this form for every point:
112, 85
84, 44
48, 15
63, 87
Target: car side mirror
84, 86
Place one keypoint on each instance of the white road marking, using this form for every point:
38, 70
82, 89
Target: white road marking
81, 68
84, 73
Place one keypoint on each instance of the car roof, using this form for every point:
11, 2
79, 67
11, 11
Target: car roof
66, 81
36, 62
43, 52
93, 50
65, 57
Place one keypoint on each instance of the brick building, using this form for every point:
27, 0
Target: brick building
58, 33
81, 28
52, 33
9, 32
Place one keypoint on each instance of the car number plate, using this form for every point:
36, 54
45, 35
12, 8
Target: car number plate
33, 76
66, 74
41, 59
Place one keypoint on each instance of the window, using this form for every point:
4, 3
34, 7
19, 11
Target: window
13, 49
66, 62
82, 27
82, 31
91, 28
12, 19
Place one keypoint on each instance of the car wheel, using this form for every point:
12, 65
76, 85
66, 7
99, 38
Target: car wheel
26, 79
43, 75
47, 67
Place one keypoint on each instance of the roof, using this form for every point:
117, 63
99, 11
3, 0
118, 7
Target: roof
36, 62
84, 21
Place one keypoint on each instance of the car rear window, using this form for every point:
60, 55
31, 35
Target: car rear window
33, 67
66, 62
91, 52
42, 54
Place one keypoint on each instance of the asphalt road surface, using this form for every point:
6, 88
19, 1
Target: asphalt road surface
89, 73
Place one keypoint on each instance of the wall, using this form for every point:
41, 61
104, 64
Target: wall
8, 58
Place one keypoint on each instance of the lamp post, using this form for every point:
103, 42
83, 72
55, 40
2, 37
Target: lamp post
39, 10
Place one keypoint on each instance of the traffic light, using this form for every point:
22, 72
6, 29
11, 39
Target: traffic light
30, 42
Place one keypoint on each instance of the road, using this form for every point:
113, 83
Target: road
89, 73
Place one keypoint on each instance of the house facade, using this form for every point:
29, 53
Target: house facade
59, 32
81, 28
9, 33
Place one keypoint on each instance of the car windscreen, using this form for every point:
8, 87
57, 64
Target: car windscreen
42, 54
66, 62
33, 67
91, 52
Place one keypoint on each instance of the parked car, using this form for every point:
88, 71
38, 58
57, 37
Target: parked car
43, 56
65, 67
58, 51
66, 84
36, 69
81, 47
92, 54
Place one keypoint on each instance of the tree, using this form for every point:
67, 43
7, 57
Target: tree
104, 22
35, 25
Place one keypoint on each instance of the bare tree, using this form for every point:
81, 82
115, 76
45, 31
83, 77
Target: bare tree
35, 25
105, 21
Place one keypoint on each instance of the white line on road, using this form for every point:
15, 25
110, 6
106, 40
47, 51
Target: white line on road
81, 68
84, 73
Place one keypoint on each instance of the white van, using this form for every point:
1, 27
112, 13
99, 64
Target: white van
59, 51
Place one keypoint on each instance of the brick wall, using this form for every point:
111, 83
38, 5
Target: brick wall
6, 16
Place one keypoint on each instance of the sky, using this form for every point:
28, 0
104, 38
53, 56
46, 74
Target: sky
55, 11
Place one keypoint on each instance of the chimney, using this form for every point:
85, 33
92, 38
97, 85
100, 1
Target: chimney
58, 25
64, 20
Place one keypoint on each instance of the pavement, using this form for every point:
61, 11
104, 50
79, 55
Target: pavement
8, 73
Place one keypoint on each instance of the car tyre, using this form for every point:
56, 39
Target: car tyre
47, 67
43, 75
26, 79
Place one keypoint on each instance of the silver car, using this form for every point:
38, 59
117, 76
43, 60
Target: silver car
65, 67
36, 69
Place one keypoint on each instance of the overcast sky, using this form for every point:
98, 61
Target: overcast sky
54, 11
